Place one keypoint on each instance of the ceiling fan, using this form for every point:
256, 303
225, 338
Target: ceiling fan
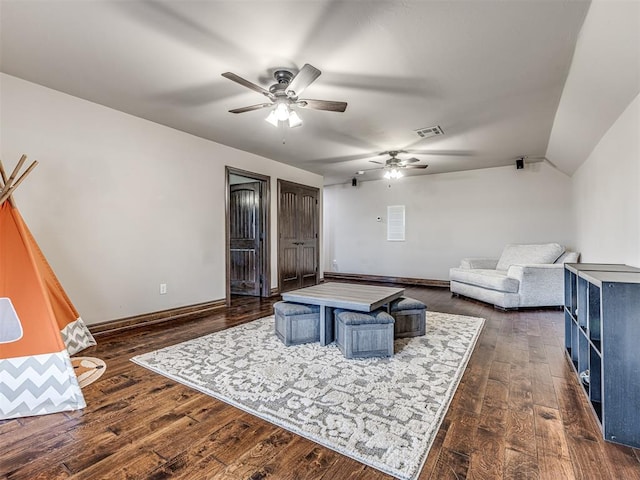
393, 166
285, 94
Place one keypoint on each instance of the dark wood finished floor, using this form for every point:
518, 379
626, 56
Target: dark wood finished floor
519, 413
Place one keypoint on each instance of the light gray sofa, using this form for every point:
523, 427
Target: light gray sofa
529, 275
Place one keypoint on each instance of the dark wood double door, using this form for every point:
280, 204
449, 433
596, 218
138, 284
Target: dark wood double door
298, 225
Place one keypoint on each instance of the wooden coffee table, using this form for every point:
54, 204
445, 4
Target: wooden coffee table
331, 295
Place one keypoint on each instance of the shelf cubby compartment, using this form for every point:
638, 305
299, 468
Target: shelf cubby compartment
593, 315
595, 381
573, 350
597, 409
568, 323
582, 310
583, 357
570, 300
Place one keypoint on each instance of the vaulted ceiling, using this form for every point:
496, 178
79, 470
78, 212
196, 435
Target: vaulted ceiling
489, 73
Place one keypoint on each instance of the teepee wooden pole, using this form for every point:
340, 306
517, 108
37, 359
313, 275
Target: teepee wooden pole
9, 182
6, 193
3, 174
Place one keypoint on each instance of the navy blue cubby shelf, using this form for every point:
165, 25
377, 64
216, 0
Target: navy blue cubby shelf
602, 331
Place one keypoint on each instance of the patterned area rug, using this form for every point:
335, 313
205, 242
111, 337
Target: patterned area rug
383, 412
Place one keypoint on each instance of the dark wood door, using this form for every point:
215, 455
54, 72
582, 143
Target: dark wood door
245, 242
298, 224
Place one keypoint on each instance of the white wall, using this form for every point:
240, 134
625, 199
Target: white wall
119, 204
449, 216
606, 194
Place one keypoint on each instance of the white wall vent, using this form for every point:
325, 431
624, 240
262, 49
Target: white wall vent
430, 131
395, 223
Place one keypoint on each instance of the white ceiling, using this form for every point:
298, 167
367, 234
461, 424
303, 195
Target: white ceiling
490, 73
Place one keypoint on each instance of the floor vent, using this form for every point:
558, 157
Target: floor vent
430, 131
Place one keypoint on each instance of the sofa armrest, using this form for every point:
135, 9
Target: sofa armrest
540, 285
479, 262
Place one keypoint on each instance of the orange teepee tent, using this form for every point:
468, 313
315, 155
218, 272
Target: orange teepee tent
39, 327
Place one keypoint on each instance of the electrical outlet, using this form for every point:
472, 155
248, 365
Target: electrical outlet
163, 289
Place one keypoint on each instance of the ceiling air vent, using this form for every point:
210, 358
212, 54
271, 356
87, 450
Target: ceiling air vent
430, 131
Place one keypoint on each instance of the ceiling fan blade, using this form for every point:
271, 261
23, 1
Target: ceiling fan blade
250, 108
410, 160
416, 166
246, 83
444, 153
375, 161
322, 105
305, 77
393, 153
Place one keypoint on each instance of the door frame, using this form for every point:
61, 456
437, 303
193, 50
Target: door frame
317, 225
265, 206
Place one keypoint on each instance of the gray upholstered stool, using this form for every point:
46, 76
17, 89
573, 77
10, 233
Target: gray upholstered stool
297, 323
364, 334
410, 317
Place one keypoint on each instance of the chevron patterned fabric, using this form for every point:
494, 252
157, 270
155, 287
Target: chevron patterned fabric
77, 337
38, 384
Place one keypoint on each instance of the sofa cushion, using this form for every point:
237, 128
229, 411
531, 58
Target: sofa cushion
529, 254
493, 279
500, 299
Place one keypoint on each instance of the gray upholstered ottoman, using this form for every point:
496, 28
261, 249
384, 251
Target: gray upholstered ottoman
410, 317
364, 334
296, 323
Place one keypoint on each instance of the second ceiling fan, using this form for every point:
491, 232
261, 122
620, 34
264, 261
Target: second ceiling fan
393, 166
285, 94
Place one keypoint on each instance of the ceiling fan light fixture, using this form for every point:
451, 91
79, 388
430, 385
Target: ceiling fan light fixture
282, 112
272, 118
294, 119
392, 173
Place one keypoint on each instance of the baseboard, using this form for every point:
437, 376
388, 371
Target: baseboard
422, 282
180, 313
